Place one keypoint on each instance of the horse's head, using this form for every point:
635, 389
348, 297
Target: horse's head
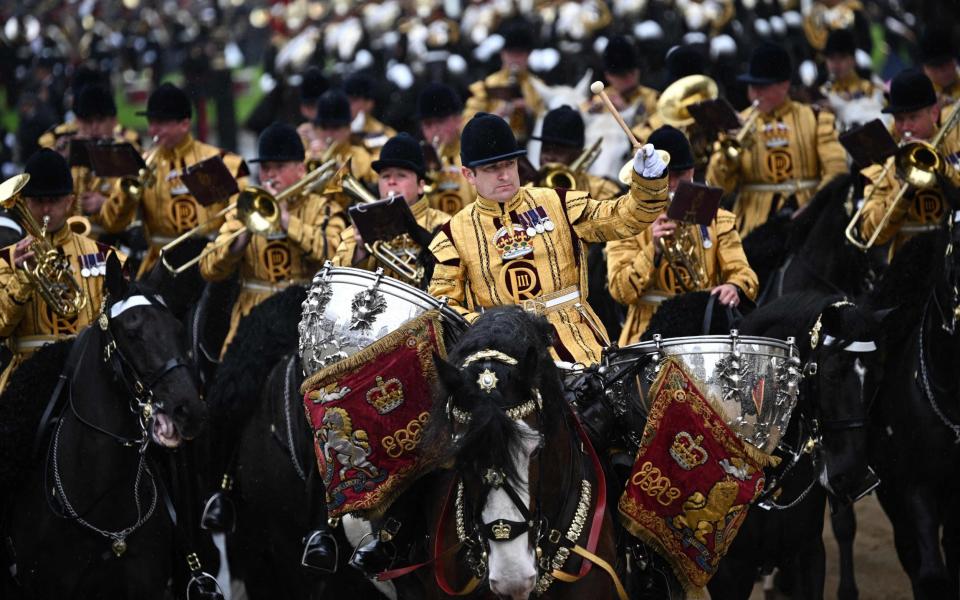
845, 341
144, 346
497, 382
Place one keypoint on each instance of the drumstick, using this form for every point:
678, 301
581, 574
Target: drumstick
597, 88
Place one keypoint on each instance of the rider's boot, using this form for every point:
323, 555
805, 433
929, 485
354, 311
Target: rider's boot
220, 512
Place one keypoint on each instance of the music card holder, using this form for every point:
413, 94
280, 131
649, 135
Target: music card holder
78, 153
383, 220
715, 116
115, 159
504, 92
695, 203
869, 144
209, 181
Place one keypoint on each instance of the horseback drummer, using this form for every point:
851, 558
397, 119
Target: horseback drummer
891, 212
785, 150
401, 172
306, 233
641, 276
525, 246
27, 318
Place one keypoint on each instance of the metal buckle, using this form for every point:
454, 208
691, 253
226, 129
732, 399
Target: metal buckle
554, 536
533, 305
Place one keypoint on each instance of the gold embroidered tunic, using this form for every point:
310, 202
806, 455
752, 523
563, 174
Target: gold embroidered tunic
26, 320
641, 280
792, 152
373, 134
920, 210
168, 209
486, 258
270, 263
643, 97
480, 100
950, 94
426, 216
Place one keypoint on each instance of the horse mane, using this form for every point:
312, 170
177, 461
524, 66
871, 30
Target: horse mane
263, 338
791, 315
766, 247
490, 437
827, 202
682, 316
913, 272
21, 406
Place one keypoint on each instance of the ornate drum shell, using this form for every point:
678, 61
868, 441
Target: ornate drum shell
348, 309
754, 380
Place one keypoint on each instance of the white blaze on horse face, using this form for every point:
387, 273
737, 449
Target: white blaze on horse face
513, 565
861, 372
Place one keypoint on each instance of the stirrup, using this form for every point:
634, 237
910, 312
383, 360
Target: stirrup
320, 538
219, 511
202, 586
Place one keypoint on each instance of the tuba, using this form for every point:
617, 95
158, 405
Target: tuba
257, 209
134, 187
732, 147
918, 164
49, 270
675, 101
680, 250
556, 175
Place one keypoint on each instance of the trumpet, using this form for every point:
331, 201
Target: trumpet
732, 148
680, 250
916, 163
556, 175
257, 209
48, 270
134, 187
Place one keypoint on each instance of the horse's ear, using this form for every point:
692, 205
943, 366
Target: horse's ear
882, 314
583, 86
114, 279
449, 375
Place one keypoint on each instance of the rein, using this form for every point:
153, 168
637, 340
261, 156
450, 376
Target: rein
923, 378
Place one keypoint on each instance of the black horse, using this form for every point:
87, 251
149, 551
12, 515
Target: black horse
916, 417
258, 417
810, 250
86, 515
825, 443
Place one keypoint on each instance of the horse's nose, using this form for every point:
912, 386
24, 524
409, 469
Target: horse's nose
514, 590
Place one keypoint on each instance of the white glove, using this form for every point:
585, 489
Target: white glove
648, 163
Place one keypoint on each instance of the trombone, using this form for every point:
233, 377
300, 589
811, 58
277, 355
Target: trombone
732, 148
556, 175
257, 209
134, 187
917, 164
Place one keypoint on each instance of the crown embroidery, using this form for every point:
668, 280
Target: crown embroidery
512, 246
687, 451
386, 395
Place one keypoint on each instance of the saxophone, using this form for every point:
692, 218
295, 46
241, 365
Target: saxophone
680, 251
48, 270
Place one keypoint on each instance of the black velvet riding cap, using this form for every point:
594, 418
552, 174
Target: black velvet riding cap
487, 139
168, 103
279, 143
910, 90
402, 151
769, 63
675, 142
49, 175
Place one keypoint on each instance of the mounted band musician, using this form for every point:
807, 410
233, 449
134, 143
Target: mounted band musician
641, 274
917, 117
524, 246
39, 310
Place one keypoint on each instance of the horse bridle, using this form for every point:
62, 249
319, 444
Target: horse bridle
139, 387
814, 423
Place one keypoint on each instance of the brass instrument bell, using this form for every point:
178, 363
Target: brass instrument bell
675, 101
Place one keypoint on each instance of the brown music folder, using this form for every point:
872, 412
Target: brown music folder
695, 203
115, 159
869, 144
210, 181
715, 116
383, 220
504, 92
